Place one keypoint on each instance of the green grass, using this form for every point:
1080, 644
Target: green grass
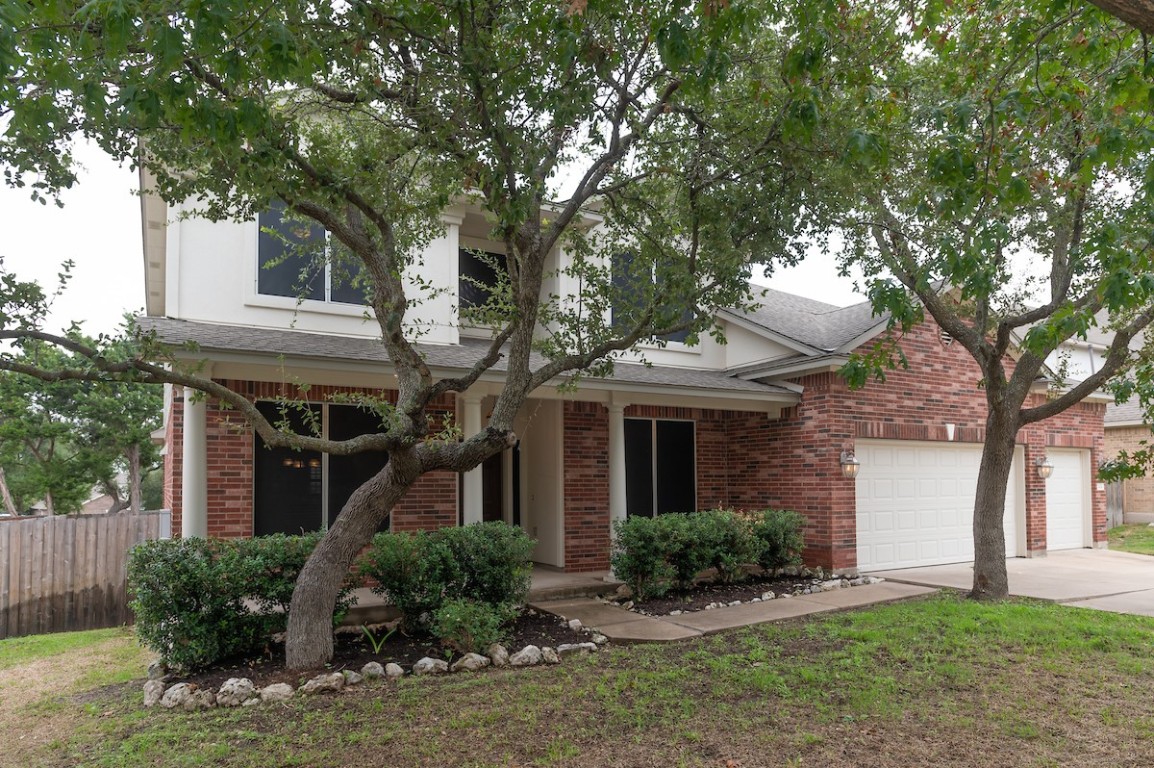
19, 650
1132, 538
941, 681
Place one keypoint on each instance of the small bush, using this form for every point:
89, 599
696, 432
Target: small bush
201, 600
725, 542
471, 626
188, 602
487, 563
779, 537
413, 572
640, 556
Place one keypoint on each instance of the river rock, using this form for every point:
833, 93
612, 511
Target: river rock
235, 692
430, 666
329, 682
497, 653
276, 692
393, 671
470, 662
568, 649
153, 691
373, 670
528, 656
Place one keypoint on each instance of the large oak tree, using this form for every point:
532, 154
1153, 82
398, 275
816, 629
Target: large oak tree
1006, 185
693, 129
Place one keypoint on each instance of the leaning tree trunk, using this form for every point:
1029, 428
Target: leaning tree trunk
6, 495
134, 478
990, 579
309, 639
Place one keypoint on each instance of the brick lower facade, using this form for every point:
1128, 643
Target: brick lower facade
1137, 492
743, 459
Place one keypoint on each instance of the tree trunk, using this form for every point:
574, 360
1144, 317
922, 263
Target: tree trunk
6, 495
49, 504
309, 639
134, 478
990, 579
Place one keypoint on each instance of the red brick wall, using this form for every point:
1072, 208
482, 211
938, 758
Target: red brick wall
431, 503
793, 462
586, 487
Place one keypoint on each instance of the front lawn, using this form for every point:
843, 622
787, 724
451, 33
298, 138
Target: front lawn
941, 681
1132, 538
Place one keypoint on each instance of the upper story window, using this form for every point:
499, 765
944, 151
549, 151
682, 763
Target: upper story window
629, 283
298, 259
479, 273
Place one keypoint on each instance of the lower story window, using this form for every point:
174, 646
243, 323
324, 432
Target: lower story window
301, 491
660, 466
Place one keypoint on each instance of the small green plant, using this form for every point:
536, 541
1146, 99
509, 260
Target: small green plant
377, 642
470, 626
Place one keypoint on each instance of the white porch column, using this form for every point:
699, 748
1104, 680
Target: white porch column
474, 490
194, 469
617, 498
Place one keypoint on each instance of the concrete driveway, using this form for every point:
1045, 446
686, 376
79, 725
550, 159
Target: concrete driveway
1119, 582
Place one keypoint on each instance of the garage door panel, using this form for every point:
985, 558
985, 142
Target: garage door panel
916, 502
1066, 502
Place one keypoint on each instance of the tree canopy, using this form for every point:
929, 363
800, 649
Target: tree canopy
1005, 188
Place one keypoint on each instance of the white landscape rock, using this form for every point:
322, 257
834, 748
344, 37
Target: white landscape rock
831, 585
153, 691
575, 625
550, 656
498, 654
353, 678
276, 692
470, 662
329, 682
157, 670
528, 656
187, 696
373, 670
430, 666
394, 670
568, 649
235, 692
599, 638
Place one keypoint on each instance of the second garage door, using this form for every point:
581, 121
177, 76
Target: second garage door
1067, 499
915, 503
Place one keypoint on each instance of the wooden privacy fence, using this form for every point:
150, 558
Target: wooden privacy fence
64, 573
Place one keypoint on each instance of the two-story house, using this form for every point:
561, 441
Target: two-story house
763, 420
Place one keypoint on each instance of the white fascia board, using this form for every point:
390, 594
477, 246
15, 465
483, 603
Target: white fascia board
823, 364
154, 239
325, 371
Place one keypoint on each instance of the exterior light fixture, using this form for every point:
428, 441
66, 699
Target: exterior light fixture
849, 465
1044, 466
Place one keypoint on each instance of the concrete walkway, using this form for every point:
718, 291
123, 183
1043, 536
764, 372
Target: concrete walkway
624, 626
1119, 582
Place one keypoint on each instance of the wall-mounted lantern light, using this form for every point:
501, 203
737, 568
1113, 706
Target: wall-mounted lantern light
1045, 467
849, 465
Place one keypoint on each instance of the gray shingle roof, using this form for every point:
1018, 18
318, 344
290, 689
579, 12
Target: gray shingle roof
210, 337
1129, 412
813, 323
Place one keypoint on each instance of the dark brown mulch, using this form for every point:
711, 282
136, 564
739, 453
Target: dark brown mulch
352, 650
701, 595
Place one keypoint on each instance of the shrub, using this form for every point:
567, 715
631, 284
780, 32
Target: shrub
413, 572
187, 601
779, 537
487, 563
724, 540
201, 600
640, 556
493, 561
679, 535
470, 626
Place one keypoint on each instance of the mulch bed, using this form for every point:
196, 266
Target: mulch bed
702, 595
352, 650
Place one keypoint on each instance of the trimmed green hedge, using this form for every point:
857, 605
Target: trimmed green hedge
654, 554
485, 563
201, 600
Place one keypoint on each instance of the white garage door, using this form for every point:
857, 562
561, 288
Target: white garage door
1068, 499
915, 503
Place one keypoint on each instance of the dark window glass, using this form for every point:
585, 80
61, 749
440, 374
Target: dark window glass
633, 296
344, 287
639, 467
287, 483
667, 449
347, 473
676, 467
478, 276
293, 266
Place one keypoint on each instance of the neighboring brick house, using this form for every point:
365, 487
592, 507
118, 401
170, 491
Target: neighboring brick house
1127, 430
763, 420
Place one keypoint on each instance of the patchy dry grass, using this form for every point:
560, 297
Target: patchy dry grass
942, 682
1133, 538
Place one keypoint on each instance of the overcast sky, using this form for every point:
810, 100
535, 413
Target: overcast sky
99, 229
